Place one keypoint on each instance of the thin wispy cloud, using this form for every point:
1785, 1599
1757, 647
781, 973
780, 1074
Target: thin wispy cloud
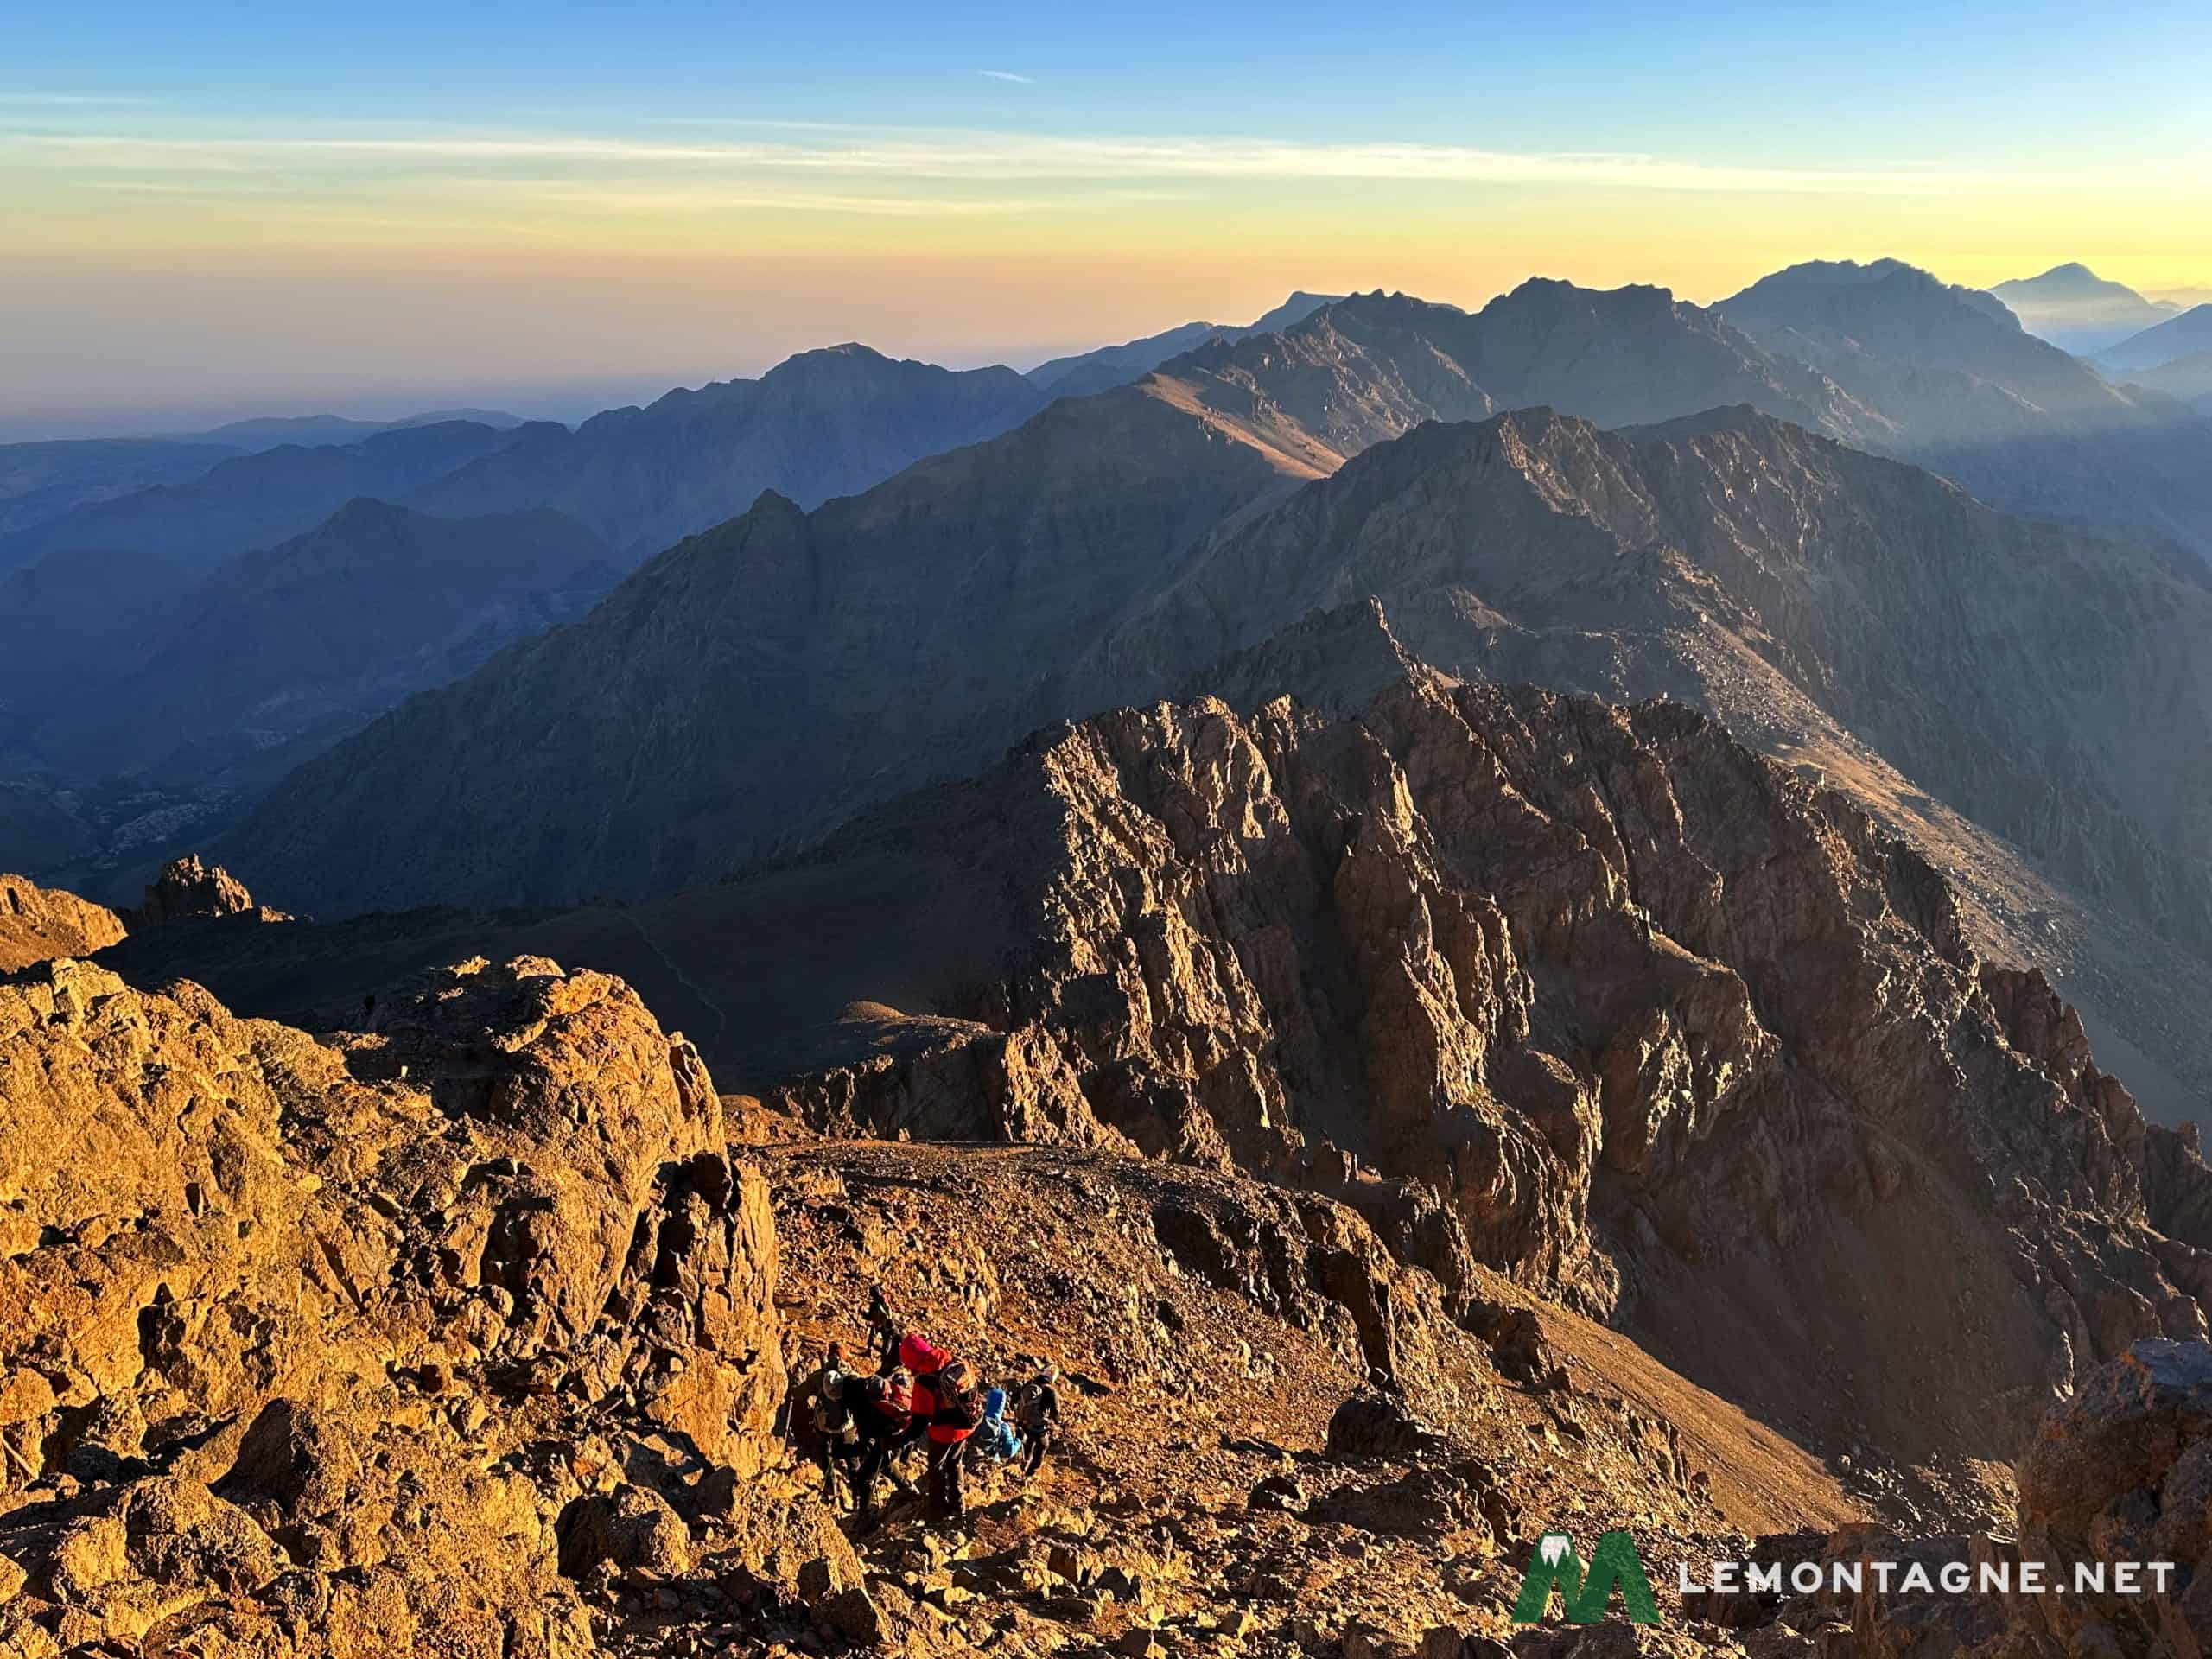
68, 100
885, 157
975, 156
1008, 74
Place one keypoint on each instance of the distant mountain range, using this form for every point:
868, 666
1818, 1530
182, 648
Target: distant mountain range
267, 431
258, 499
2079, 311
819, 424
752, 688
942, 561
2189, 378
822, 423
316, 635
43, 481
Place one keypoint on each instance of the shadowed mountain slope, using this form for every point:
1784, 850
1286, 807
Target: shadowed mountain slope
1709, 559
752, 685
2163, 343
300, 642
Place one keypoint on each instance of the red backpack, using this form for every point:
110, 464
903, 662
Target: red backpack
890, 1395
899, 1395
922, 1357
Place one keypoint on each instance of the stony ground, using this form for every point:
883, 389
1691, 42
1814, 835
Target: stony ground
1198, 1504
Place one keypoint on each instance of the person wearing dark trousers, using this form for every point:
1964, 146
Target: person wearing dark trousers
1038, 1414
884, 1331
882, 1413
959, 1413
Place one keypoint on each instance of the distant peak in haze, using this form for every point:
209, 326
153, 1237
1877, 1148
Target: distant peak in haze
1902, 284
2077, 310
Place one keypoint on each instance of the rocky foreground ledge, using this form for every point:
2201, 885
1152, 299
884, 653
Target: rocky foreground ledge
329, 1347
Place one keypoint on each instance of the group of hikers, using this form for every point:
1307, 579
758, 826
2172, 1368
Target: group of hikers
859, 1424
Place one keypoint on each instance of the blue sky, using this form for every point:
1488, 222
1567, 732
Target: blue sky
498, 195
1880, 79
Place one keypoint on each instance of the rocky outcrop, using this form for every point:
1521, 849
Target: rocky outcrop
189, 889
39, 924
2123, 1473
1590, 996
313, 1347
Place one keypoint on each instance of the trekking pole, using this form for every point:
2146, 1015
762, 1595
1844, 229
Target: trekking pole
22, 1462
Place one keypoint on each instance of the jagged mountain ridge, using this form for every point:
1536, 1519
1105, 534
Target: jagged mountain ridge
1108, 366
1588, 996
1603, 1000
1373, 366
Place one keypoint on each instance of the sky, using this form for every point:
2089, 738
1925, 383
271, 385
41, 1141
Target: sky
219, 209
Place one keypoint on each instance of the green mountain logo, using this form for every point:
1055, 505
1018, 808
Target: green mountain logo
1586, 1593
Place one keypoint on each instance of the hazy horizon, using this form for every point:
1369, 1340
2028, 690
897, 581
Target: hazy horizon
250, 215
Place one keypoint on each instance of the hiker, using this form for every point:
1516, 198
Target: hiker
882, 1408
815, 1417
959, 1412
837, 1443
884, 1333
1038, 1414
997, 1439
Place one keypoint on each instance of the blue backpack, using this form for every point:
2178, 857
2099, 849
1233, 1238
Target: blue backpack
1002, 1440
